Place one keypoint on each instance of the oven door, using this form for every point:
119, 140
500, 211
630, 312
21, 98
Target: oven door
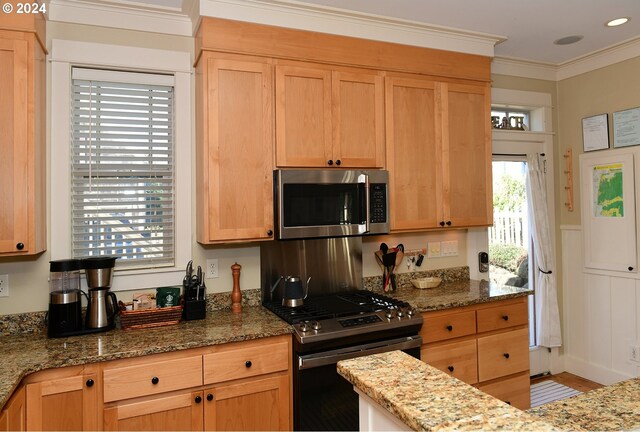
323, 400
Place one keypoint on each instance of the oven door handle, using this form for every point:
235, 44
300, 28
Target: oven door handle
310, 361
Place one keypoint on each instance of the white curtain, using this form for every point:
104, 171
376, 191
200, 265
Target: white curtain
547, 314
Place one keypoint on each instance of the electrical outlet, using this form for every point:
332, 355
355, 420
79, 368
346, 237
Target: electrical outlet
4, 285
634, 353
212, 268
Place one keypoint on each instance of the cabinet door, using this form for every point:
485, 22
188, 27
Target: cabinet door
260, 404
458, 359
174, 412
13, 417
303, 117
414, 157
358, 119
468, 199
14, 172
234, 196
69, 403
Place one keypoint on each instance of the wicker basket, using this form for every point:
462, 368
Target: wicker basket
426, 283
148, 318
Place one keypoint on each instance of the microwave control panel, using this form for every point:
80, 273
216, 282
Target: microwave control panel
378, 203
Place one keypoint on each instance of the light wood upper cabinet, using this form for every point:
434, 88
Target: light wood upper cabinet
22, 166
234, 155
329, 118
468, 198
438, 154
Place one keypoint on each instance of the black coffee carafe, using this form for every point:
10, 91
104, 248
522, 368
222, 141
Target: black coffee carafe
65, 298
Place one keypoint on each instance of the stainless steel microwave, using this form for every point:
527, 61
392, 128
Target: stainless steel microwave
331, 203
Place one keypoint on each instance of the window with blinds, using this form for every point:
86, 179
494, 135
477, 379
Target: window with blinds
122, 167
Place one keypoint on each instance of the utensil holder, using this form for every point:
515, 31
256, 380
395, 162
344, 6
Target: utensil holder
195, 309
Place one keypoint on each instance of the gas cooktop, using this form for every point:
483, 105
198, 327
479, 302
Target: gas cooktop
345, 314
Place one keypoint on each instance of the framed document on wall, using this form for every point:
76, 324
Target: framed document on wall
595, 132
626, 128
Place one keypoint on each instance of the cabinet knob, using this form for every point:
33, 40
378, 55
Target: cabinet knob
448, 223
630, 268
450, 368
209, 397
198, 399
449, 327
155, 380
508, 403
506, 355
90, 382
338, 162
248, 363
505, 317
269, 233
330, 162
20, 246
441, 223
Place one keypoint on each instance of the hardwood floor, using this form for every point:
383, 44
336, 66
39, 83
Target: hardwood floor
570, 380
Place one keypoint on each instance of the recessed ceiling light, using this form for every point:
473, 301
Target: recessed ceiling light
568, 40
617, 22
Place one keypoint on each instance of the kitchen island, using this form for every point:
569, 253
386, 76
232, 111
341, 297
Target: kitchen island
424, 398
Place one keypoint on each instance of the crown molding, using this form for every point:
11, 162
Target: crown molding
302, 16
117, 14
524, 68
599, 59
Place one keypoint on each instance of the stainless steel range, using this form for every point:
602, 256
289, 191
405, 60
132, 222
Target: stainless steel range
338, 320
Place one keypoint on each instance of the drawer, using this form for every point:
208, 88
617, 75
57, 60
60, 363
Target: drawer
458, 359
500, 317
143, 379
448, 326
247, 359
515, 391
503, 354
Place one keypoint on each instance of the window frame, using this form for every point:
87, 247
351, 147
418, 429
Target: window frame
67, 54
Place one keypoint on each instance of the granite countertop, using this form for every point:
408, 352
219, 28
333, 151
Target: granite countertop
456, 294
425, 398
22, 354
613, 408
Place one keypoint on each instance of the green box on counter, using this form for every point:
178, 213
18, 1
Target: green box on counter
168, 296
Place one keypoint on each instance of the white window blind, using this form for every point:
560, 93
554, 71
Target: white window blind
122, 167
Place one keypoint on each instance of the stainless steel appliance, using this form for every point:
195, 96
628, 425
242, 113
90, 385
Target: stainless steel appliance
331, 203
65, 298
338, 321
102, 306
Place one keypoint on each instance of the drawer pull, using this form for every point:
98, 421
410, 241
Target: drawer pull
450, 368
90, 382
209, 397
155, 380
198, 399
450, 327
248, 363
508, 403
506, 355
505, 317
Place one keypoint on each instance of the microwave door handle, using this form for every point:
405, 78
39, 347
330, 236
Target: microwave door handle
367, 203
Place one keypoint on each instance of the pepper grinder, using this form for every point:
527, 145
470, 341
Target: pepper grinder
236, 296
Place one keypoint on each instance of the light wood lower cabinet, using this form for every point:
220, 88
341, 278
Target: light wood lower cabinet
13, 415
63, 399
180, 412
485, 345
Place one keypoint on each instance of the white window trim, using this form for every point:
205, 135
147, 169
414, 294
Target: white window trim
66, 54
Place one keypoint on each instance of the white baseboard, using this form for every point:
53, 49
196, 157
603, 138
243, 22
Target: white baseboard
593, 372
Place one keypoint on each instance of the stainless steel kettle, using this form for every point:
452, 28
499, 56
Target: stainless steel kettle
294, 293
101, 309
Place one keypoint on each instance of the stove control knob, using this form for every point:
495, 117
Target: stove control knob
400, 313
304, 327
316, 325
411, 311
389, 313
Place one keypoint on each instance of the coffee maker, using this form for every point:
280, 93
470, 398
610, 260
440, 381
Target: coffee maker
102, 306
65, 298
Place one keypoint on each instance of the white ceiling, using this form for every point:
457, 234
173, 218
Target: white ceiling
529, 26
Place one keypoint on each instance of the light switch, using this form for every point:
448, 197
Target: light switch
450, 248
433, 250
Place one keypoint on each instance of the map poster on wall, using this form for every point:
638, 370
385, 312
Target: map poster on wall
608, 200
626, 127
